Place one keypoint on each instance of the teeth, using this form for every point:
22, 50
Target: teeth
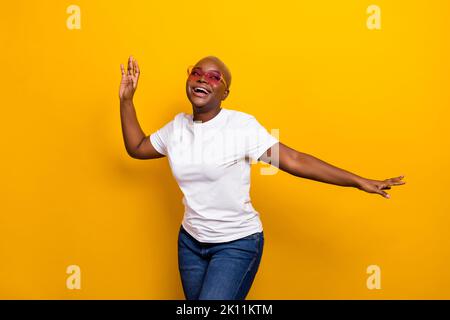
201, 89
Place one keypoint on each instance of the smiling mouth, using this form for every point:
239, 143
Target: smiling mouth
200, 92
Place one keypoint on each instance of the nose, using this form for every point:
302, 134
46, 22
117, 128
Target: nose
202, 80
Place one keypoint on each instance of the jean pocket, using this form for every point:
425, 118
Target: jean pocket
253, 242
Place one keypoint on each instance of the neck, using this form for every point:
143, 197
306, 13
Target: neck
200, 114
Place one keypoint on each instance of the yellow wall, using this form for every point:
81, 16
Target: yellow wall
374, 102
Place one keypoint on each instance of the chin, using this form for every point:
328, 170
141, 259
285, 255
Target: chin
198, 102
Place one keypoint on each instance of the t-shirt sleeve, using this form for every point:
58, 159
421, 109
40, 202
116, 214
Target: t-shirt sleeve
258, 139
161, 137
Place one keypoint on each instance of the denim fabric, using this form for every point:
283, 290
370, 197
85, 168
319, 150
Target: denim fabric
218, 271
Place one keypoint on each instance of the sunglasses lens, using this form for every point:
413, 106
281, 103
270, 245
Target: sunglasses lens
212, 77
194, 73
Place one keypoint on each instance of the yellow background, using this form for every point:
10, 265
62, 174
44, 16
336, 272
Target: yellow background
374, 102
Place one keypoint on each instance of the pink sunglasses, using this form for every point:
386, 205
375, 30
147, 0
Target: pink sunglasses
212, 77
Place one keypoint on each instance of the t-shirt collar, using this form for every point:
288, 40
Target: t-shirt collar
210, 122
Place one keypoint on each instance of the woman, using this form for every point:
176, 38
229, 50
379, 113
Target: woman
221, 239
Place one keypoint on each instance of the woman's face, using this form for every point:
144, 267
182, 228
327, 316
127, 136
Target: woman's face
216, 90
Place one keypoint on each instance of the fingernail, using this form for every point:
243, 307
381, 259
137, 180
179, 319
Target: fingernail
388, 196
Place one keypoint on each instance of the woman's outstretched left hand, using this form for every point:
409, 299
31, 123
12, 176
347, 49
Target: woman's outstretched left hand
378, 186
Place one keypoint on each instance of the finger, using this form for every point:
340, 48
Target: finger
130, 65
134, 79
382, 185
384, 194
134, 69
396, 181
122, 69
138, 71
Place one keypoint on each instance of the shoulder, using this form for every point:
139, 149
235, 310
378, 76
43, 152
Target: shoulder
179, 118
180, 115
239, 114
240, 118
246, 123
173, 123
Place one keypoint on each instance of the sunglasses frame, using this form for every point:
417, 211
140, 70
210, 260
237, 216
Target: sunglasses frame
189, 70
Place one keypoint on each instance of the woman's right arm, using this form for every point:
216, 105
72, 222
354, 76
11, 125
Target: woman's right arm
137, 144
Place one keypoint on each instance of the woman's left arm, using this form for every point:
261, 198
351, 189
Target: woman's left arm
307, 166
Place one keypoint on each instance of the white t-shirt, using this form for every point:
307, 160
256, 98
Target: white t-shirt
211, 163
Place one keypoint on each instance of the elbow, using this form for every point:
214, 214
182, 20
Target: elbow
132, 153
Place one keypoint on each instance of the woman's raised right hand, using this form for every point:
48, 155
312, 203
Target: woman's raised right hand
129, 80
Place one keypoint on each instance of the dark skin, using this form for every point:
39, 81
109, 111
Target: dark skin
204, 109
294, 162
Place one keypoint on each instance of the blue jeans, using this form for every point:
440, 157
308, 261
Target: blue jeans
218, 271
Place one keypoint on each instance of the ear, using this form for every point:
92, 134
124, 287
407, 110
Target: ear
225, 94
